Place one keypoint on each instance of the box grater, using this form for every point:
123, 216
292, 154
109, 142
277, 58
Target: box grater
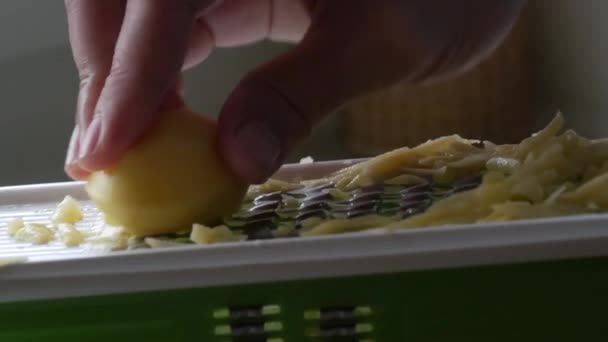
529, 280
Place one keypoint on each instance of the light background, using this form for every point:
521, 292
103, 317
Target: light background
38, 81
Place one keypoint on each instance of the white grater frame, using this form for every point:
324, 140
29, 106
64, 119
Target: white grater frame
369, 252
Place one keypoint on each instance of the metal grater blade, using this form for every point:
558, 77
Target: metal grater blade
263, 216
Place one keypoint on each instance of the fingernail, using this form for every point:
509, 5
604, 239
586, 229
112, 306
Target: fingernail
261, 144
72, 153
88, 145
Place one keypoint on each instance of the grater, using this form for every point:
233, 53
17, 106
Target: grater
528, 280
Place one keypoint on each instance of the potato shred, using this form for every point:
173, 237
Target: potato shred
551, 173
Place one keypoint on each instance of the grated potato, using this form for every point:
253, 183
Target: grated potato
271, 185
70, 236
285, 231
68, 211
14, 225
205, 235
111, 238
307, 160
547, 174
36, 233
347, 225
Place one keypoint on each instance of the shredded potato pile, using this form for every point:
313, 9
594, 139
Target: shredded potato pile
551, 173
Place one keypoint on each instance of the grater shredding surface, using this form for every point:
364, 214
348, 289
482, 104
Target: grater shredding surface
91, 226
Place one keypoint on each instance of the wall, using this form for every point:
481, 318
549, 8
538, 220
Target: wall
570, 62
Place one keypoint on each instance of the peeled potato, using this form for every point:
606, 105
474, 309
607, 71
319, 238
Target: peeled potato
172, 178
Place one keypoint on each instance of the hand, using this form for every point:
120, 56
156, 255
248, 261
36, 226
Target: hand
130, 55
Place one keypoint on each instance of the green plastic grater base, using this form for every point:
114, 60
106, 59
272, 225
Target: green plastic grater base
550, 301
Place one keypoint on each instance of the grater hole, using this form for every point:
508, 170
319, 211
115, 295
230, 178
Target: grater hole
251, 314
249, 323
250, 339
260, 230
339, 333
351, 332
335, 323
236, 308
245, 331
340, 323
337, 315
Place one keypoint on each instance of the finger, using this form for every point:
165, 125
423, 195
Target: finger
290, 20
352, 47
201, 44
457, 35
239, 22
217, 27
285, 20
71, 168
146, 65
275, 106
93, 30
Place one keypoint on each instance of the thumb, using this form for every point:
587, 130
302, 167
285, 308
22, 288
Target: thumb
275, 106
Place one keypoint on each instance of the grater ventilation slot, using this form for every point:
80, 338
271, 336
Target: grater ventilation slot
340, 324
252, 314
248, 332
249, 323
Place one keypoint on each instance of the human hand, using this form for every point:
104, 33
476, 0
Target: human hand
130, 55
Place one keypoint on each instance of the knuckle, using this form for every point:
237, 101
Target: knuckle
119, 68
83, 65
137, 76
120, 76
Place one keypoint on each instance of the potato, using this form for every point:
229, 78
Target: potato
173, 177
